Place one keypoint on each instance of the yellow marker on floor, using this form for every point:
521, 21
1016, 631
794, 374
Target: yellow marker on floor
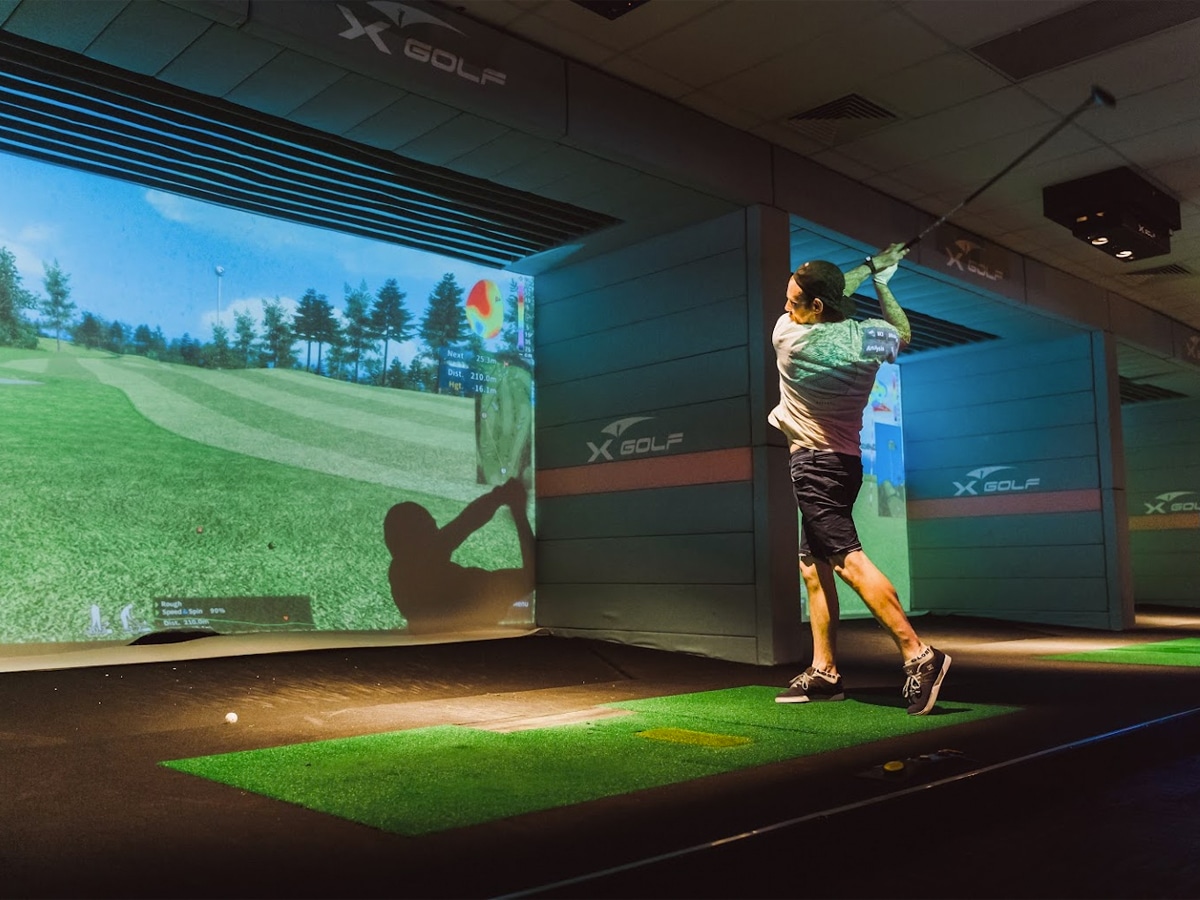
699, 738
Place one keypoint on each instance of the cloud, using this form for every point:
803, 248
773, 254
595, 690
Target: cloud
252, 306
173, 207
27, 256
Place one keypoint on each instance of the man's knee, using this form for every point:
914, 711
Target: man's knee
850, 565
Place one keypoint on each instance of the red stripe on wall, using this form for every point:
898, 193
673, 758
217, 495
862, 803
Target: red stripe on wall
1013, 504
711, 467
1170, 521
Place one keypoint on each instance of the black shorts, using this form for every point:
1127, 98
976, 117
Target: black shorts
826, 485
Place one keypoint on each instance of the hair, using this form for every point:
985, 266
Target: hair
821, 278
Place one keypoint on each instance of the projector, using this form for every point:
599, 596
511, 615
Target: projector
1117, 211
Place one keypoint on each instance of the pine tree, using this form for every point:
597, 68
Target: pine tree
445, 322
390, 319
57, 307
359, 335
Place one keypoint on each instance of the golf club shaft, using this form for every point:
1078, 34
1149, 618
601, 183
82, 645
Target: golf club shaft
1098, 96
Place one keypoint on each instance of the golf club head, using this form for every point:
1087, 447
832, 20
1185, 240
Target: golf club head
1101, 97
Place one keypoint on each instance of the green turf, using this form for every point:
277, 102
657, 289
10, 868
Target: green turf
1181, 652
128, 479
431, 779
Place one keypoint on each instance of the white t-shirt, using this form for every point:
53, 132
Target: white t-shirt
826, 372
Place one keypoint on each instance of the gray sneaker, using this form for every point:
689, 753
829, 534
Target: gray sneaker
923, 680
812, 685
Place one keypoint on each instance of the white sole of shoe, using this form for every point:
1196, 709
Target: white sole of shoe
937, 686
810, 699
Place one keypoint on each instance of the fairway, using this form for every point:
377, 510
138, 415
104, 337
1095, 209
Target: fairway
134, 480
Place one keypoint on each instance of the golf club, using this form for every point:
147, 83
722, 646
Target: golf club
1097, 97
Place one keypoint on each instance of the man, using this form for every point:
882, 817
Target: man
827, 365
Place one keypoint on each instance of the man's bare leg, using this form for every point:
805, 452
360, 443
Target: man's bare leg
823, 612
879, 594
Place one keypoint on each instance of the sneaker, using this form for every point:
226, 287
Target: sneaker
812, 685
922, 682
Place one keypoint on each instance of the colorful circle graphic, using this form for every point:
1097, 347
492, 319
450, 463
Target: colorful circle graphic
485, 309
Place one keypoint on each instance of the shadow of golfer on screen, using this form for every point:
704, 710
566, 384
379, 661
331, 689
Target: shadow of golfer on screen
434, 593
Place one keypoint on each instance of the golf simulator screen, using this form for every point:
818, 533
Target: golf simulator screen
880, 511
221, 422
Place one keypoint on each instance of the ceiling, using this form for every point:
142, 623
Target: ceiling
925, 101
971, 85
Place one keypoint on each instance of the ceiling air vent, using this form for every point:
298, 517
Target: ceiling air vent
611, 9
1078, 33
843, 119
1135, 392
1169, 270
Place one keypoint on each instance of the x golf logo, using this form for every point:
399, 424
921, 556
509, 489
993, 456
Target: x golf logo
631, 446
1170, 497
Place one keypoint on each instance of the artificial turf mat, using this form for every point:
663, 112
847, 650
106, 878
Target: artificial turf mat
448, 776
1181, 652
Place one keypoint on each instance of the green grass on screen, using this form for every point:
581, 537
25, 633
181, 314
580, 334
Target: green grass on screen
128, 479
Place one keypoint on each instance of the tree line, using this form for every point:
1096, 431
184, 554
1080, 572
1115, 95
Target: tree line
356, 345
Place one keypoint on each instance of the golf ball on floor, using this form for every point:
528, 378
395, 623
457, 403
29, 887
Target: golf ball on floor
230, 717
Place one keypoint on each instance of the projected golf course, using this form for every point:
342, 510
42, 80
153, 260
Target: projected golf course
135, 487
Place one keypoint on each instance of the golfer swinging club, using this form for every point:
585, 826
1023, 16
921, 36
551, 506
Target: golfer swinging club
827, 365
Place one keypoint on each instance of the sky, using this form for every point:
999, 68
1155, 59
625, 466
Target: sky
143, 256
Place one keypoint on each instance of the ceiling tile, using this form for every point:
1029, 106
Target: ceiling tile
845, 165
145, 37
218, 61
632, 29
1165, 145
401, 121
1146, 112
68, 24
590, 183
718, 109
1126, 71
893, 187
542, 31
285, 83
967, 23
787, 137
495, 158
701, 51
494, 12
350, 100
933, 84
560, 162
782, 86
1006, 112
630, 69
452, 139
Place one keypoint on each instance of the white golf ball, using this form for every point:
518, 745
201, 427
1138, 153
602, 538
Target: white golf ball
230, 717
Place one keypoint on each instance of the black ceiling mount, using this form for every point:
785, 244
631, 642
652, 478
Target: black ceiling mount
1118, 212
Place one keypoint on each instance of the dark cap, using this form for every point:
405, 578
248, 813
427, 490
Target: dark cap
823, 279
